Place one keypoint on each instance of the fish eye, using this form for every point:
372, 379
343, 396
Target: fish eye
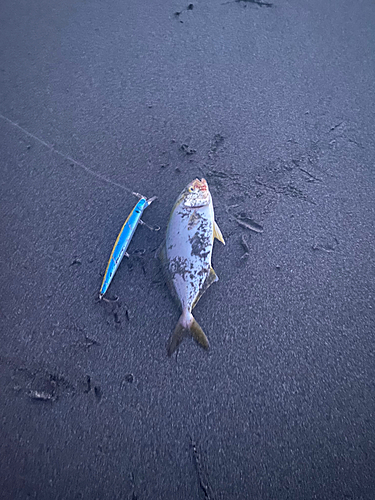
191, 189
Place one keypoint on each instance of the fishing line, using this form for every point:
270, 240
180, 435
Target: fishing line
69, 158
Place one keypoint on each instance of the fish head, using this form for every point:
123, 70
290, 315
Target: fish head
196, 194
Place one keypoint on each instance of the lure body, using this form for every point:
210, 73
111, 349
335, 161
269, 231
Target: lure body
122, 243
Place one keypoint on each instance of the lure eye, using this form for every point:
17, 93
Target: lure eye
191, 189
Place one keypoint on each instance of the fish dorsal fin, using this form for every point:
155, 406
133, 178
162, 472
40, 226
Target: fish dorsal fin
217, 234
211, 278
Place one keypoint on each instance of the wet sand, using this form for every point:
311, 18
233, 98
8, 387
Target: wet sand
274, 106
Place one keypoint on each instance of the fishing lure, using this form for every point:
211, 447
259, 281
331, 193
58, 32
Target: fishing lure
123, 240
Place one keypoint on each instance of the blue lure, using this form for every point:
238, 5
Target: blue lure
122, 242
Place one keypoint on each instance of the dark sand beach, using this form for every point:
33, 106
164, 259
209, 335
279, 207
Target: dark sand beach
274, 104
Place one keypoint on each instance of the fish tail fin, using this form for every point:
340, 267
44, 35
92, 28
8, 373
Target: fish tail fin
187, 326
198, 334
176, 338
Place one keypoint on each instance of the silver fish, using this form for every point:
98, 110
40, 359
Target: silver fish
186, 257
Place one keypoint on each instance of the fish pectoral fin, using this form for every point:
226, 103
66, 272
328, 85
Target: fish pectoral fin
217, 233
211, 278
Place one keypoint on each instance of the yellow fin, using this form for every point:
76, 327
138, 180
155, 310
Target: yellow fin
176, 338
217, 233
182, 332
198, 335
211, 278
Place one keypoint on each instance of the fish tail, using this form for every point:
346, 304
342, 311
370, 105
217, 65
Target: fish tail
187, 326
198, 334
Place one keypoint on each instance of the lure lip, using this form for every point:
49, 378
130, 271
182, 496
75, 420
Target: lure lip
150, 200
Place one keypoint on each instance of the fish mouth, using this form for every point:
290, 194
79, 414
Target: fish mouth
196, 194
201, 185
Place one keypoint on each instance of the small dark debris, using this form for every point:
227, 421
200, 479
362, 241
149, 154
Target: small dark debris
248, 223
98, 392
88, 384
201, 472
179, 12
245, 244
217, 142
357, 143
58, 381
246, 248
129, 378
90, 342
44, 387
75, 262
187, 149
178, 170
295, 192
41, 396
218, 174
108, 300
156, 281
132, 480
127, 314
28, 146
334, 127
312, 178
113, 309
140, 252
256, 2
278, 268
295, 162
228, 208
328, 247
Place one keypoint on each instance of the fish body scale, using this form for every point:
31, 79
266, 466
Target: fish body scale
189, 243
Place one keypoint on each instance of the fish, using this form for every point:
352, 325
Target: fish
186, 257
122, 242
